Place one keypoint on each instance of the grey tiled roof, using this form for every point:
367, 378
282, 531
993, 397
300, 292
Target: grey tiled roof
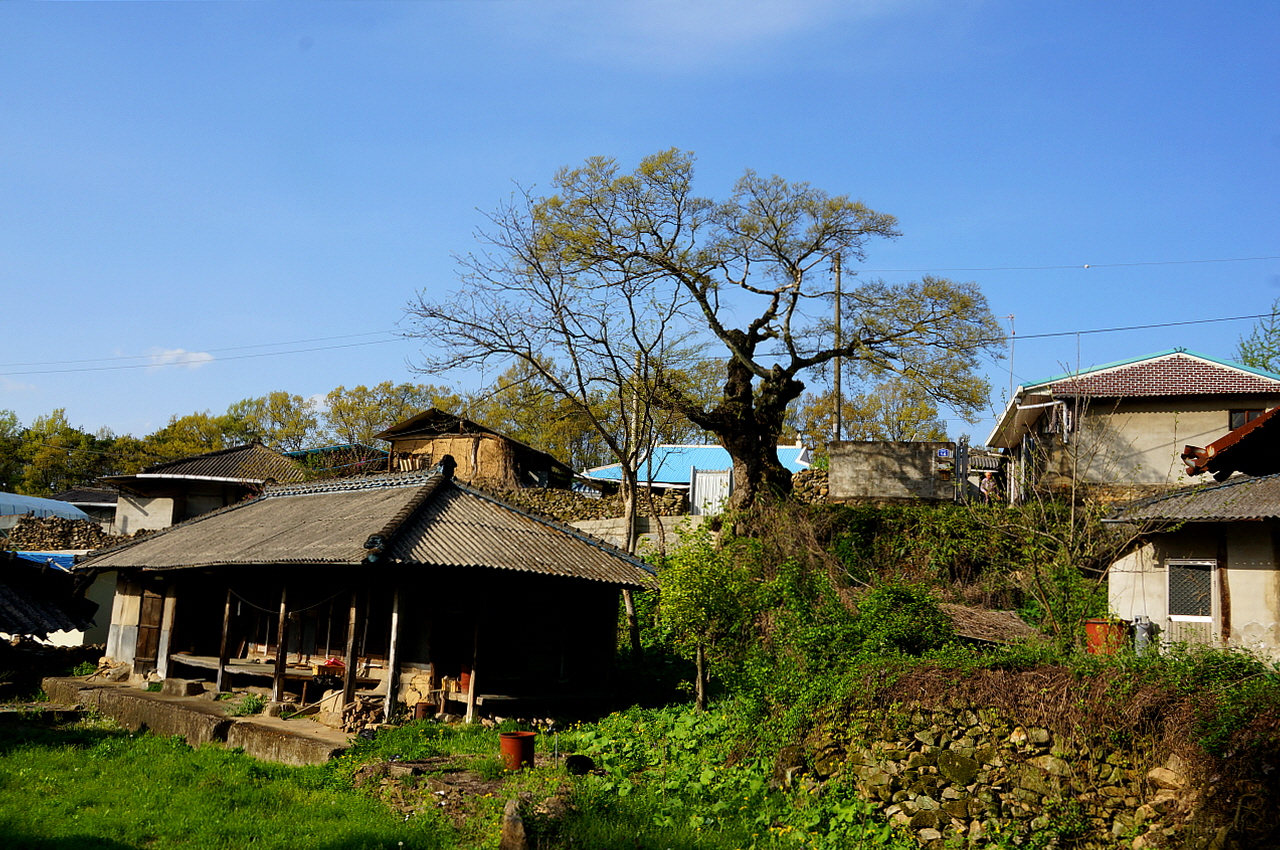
1241, 498
251, 463
411, 519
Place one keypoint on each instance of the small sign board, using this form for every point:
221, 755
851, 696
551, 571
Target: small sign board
944, 452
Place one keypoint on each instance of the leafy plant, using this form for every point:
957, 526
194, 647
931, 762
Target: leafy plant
249, 704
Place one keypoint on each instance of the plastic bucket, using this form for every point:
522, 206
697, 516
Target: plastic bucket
517, 749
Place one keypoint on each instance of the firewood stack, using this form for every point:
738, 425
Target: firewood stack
53, 534
363, 712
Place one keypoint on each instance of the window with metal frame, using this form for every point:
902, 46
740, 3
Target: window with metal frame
1193, 603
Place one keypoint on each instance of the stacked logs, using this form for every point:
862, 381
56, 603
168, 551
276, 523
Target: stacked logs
54, 534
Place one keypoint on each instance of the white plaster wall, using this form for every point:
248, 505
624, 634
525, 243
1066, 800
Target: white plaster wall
1253, 584
137, 512
1136, 586
1141, 441
122, 637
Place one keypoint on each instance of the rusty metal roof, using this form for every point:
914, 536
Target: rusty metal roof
1236, 499
420, 518
250, 464
1252, 449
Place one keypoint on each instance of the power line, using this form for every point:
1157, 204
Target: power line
207, 351
216, 360
1143, 327
1077, 266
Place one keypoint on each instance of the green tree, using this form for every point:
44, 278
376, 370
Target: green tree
10, 450
56, 456
356, 415
611, 249
708, 604
894, 409
194, 434
1261, 349
280, 420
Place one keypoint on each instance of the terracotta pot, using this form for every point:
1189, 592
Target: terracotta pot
517, 749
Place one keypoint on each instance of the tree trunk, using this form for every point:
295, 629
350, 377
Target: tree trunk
700, 687
633, 624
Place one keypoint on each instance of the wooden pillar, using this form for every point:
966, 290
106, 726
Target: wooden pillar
471, 687
349, 674
282, 646
393, 657
224, 648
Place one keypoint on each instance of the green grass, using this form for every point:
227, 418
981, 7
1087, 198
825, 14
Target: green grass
93, 786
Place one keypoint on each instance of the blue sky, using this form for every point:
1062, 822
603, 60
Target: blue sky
214, 184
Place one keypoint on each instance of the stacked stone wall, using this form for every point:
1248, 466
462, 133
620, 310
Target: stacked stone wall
967, 773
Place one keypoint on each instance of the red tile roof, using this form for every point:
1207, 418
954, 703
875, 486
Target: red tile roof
1178, 373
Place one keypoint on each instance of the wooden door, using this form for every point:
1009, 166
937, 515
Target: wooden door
149, 617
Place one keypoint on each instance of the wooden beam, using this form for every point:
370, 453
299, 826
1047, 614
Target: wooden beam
282, 646
224, 648
393, 657
349, 674
471, 686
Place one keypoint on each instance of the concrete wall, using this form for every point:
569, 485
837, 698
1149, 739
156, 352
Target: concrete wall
891, 470
655, 532
1140, 441
134, 513
1246, 594
1253, 583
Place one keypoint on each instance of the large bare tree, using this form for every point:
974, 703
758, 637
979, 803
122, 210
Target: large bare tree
599, 277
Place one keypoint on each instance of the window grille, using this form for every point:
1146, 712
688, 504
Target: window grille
1191, 601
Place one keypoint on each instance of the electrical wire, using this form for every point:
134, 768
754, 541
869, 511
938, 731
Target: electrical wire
1080, 266
215, 360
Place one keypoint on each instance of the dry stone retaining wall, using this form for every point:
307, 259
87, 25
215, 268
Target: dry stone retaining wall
967, 772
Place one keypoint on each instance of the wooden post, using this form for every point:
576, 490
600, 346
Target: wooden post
349, 674
393, 657
224, 648
282, 646
471, 688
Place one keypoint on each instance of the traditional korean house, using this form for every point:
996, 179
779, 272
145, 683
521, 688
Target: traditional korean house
1205, 567
412, 586
1119, 429
484, 456
170, 492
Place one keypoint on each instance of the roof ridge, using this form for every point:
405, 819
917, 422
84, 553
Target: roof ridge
383, 480
585, 537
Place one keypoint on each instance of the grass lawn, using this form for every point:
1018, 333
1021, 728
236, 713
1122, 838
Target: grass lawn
93, 786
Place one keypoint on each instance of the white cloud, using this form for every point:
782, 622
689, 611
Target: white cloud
159, 357
679, 35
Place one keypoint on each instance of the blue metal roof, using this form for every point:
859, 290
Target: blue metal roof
11, 504
672, 464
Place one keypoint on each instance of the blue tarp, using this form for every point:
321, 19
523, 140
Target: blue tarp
62, 562
11, 504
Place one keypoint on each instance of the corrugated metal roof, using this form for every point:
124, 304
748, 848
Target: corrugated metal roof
36, 600
412, 518
1235, 499
467, 528
12, 504
252, 463
672, 464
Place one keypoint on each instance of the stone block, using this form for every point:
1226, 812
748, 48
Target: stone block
182, 687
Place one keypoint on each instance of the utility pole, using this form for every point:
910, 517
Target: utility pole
839, 342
